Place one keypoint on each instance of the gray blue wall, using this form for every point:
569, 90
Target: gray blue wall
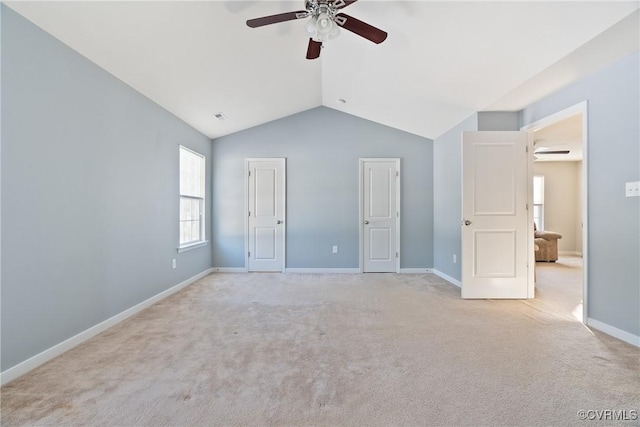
498, 120
447, 176
89, 193
322, 147
613, 159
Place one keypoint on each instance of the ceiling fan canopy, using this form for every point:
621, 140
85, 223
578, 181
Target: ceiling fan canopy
326, 20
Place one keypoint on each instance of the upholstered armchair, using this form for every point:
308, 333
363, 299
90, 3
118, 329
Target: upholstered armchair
547, 242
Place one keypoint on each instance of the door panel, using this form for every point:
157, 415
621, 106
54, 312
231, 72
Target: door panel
379, 239
380, 217
492, 263
379, 192
265, 246
494, 187
495, 234
266, 210
265, 195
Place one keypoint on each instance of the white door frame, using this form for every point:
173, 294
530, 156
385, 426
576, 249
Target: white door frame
361, 208
246, 209
581, 108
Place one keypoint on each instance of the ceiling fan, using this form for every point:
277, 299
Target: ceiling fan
543, 151
326, 20
552, 152
539, 150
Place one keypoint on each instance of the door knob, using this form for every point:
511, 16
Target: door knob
279, 222
467, 222
366, 222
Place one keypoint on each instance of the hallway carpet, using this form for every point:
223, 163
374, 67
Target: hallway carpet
310, 349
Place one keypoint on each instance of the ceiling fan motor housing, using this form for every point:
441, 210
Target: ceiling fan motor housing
322, 26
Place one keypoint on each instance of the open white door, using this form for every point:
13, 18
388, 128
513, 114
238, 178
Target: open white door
266, 214
496, 237
380, 216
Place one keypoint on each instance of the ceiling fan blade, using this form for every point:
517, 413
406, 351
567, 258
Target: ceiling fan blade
274, 19
313, 51
360, 28
552, 152
341, 4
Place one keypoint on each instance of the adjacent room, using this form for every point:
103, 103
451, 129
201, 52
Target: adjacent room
320, 213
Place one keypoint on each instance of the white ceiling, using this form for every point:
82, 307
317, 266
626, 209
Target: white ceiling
565, 134
442, 61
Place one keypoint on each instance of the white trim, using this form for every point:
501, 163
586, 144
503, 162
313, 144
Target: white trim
415, 270
192, 246
43, 357
246, 215
614, 332
531, 253
201, 241
583, 109
229, 270
361, 208
323, 270
448, 278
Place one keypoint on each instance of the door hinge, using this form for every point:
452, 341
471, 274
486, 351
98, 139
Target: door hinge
397, 173
527, 148
249, 173
249, 254
526, 206
396, 254
249, 213
397, 214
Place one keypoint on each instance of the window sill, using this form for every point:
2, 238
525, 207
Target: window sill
191, 246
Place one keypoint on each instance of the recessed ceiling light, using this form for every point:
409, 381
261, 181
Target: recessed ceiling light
220, 116
342, 101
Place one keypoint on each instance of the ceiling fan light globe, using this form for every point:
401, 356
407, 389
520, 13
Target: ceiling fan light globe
334, 33
324, 24
311, 26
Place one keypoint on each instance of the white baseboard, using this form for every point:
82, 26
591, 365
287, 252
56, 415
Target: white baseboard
40, 358
414, 270
614, 332
447, 278
229, 270
323, 270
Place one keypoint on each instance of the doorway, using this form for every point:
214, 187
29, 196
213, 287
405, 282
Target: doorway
265, 214
560, 157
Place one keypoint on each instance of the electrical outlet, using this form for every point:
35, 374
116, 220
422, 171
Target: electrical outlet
173, 263
335, 249
632, 189
455, 258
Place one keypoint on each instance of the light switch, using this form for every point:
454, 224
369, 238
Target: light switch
632, 189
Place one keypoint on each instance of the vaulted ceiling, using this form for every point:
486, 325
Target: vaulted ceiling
441, 62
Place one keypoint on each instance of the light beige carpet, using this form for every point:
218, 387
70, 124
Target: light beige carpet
305, 349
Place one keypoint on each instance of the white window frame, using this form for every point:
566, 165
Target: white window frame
539, 205
193, 244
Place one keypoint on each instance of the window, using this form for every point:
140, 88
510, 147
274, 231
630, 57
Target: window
192, 180
538, 201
